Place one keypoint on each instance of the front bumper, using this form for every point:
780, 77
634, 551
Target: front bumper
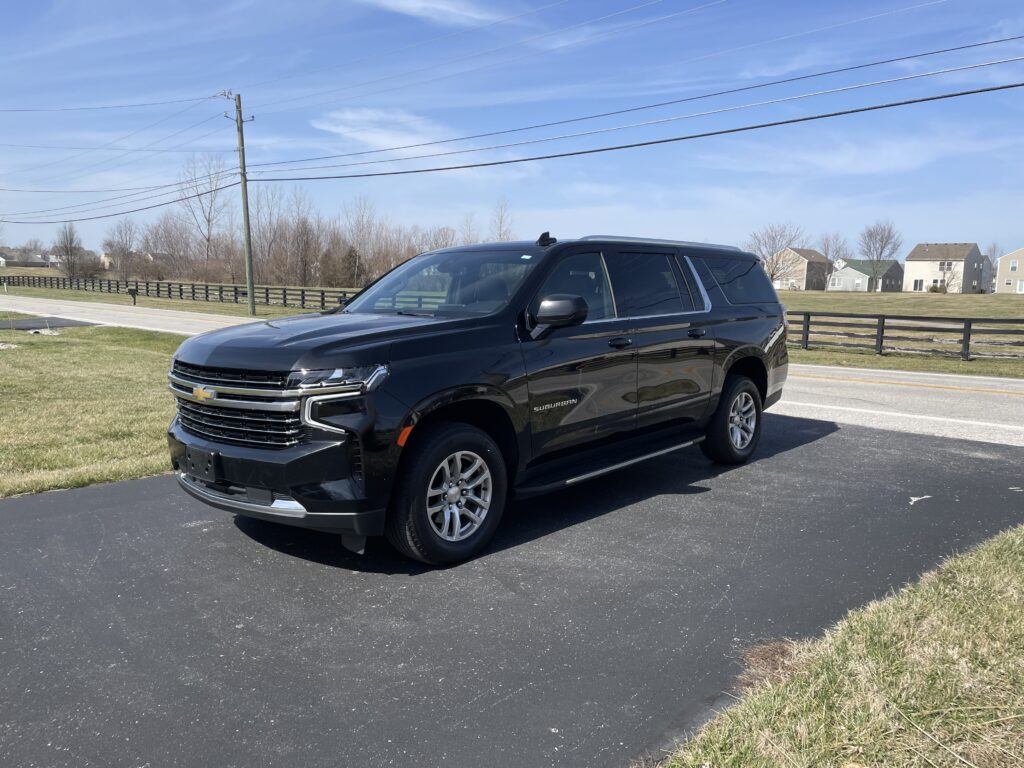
310, 485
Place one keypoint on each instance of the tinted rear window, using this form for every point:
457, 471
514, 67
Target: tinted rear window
743, 281
644, 284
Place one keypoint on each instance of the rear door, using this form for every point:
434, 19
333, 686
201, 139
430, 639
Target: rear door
582, 380
669, 329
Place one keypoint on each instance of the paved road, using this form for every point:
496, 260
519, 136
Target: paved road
138, 627
970, 407
123, 315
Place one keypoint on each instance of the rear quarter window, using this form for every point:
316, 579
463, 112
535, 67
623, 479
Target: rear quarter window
743, 281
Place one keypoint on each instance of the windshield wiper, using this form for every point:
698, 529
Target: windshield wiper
410, 313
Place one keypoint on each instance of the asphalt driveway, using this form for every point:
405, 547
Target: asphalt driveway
139, 628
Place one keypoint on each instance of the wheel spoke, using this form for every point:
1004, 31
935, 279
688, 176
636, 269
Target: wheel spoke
462, 477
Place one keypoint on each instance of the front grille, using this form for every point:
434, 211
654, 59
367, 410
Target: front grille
263, 429
229, 377
255, 415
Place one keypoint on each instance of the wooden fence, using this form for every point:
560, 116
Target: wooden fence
963, 337
270, 295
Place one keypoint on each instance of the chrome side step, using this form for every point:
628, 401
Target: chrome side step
630, 462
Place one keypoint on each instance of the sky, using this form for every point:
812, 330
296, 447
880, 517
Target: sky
334, 78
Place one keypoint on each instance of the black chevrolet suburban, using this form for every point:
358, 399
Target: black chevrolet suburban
470, 374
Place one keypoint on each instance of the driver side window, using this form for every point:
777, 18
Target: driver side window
582, 274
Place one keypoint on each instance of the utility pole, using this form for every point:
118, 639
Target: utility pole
239, 122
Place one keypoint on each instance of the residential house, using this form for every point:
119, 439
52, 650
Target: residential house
945, 267
1010, 272
3, 261
800, 269
859, 275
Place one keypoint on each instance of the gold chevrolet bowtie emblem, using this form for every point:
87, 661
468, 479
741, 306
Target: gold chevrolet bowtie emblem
202, 394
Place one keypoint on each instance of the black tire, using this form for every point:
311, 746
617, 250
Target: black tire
718, 445
409, 527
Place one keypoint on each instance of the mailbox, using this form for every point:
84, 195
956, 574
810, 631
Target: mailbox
134, 293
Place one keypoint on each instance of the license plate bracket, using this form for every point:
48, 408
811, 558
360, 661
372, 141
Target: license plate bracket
201, 464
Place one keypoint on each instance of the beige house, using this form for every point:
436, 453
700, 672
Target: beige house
1010, 272
800, 269
946, 267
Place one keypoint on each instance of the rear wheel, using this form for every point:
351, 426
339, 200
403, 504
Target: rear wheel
450, 495
735, 427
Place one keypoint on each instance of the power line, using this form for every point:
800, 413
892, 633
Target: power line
133, 210
104, 149
83, 168
135, 197
103, 106
794, 35
670, 140
379, 55
579, 152
663, 120
643, 107
515, 44
111, 143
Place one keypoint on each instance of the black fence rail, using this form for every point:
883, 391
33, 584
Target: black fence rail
963, 337
269, 295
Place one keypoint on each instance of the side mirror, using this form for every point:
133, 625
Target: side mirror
560, 310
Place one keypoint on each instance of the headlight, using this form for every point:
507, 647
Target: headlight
367, 377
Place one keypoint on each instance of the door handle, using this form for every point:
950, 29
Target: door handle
620, 342
696, 333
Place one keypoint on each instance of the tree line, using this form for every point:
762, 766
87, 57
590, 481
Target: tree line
200, 239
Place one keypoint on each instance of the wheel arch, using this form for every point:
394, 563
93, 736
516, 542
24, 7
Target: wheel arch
490, 412
750, 364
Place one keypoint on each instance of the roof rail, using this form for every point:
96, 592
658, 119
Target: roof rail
656, 241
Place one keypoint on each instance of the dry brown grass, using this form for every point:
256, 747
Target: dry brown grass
930, 677
86, 406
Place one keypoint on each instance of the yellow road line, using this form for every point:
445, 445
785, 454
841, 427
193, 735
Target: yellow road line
920, 385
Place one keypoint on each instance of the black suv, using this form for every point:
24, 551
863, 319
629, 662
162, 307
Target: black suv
468, 374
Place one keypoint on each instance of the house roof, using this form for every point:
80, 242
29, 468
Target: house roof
864, 266
942, 251
1018, 253
809, 253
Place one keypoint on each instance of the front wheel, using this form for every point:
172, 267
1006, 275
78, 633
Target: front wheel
735, 427
450, 495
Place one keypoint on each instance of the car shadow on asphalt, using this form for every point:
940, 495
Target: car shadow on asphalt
525, 520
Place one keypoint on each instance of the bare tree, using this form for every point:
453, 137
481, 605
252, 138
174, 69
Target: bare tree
501, 221
68, 248
836, 249
878, 243
200, 182
31, 248
468, 231
120, 243
949, 278
769, 244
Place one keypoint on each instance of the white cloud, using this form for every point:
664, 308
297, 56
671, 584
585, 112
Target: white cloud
449, 12
380, 128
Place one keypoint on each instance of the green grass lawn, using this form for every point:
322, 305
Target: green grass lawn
87, 406
925, 304
896, 362
933, 676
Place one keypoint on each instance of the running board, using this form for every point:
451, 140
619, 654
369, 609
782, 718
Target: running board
637, 460
537, 489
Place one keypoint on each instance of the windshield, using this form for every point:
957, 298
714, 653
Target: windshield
459, 284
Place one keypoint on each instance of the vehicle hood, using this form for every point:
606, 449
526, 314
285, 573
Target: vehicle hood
303, 341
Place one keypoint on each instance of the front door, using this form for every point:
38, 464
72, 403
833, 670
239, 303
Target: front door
668, 326
582, 380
